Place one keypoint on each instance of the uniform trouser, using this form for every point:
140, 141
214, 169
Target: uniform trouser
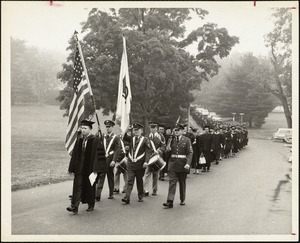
117, 179
181, 177
110, 179
147, 176
77, 191
131, 175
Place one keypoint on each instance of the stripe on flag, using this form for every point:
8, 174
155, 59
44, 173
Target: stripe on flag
76, 110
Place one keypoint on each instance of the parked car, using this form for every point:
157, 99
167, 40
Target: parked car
288, 138
281, 133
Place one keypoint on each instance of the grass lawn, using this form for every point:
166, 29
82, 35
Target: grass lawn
274, 121
38, 154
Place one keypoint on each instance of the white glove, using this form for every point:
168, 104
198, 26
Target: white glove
187, 166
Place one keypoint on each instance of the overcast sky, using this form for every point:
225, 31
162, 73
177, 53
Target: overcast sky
50, 27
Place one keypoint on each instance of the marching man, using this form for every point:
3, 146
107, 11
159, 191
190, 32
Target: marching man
111, 147
179, 164
157, 142
138, 158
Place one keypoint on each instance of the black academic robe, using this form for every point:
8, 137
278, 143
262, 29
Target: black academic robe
85, 161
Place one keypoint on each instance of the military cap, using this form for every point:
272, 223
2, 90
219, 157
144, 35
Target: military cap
137, 125
87, 123
109, 123
179, 126
153, 124
194, 129
162, 125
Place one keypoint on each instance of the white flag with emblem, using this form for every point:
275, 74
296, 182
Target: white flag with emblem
124, 94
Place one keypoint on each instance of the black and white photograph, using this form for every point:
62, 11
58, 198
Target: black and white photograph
149, 121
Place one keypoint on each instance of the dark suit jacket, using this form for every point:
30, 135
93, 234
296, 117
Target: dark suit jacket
216, 142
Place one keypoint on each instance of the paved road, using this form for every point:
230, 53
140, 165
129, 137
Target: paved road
249, 194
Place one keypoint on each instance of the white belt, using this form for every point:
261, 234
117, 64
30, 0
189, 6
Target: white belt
178, 156
110, 153
136, 159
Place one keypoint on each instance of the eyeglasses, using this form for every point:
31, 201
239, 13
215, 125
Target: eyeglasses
108, 126
176, 130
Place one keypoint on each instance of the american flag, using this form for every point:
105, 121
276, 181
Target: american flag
76, 110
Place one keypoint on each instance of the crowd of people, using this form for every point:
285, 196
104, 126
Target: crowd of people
165, 151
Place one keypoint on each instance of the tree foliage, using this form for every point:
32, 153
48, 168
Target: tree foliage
242, 92
33, 74
280, 41
161, 72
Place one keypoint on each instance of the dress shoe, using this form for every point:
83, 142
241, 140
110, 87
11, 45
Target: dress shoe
70, 197
182, 203
141, 200
154, 194
72, 209
207, 170
204, 170
123, 191
217, 163
168, 204
162, 179
110, 197
116, 191
146, 194
97, 199
125, 200
90, 208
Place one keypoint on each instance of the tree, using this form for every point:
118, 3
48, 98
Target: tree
33, 74
242, 92
161, 72
21, 85
279, 41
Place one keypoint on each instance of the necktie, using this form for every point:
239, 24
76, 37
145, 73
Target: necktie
177, 139
83, 144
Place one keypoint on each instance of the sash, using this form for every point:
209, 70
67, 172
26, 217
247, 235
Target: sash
135, 158
107, 153
123, 147
153, 146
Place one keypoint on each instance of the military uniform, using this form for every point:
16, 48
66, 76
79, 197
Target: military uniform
139, 153
118, 172
157, 144
111, 147
181, 154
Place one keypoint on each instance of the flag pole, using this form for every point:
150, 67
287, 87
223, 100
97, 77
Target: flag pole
189, 112
88, 81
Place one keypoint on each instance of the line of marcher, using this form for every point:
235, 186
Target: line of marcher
165, 150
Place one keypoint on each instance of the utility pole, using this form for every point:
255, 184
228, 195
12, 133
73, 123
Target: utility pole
242, 117
233, 117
